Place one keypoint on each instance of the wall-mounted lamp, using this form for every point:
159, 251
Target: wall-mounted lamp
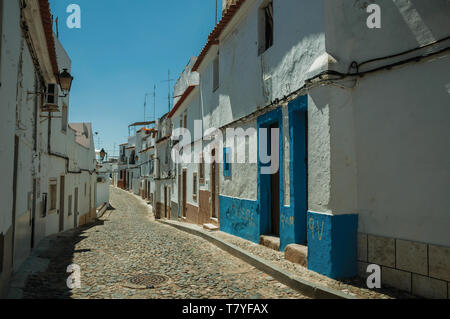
102, 154
65, 81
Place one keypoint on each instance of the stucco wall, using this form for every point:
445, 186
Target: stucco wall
241, 183
8, 75
387, 156
281, 69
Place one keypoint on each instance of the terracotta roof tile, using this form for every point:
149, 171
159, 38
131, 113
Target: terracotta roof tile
47, 23
217, 31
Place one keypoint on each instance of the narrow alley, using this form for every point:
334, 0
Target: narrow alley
126, 242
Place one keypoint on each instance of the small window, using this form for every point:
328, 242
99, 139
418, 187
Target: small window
52, 94
216, 68
201, 169
53, 194
194, 186
266, 28
64, 116
227, 162
185, 120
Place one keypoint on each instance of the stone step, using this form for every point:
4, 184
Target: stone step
270, 242
297, 254
210, 227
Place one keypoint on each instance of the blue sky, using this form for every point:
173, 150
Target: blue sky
124, 48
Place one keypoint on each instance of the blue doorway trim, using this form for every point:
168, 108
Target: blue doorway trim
264, 192
293, 217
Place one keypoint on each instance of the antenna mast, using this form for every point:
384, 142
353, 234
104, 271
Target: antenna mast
145, 107
169, 80
168, 84
154, 103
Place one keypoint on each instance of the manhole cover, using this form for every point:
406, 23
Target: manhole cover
146, 281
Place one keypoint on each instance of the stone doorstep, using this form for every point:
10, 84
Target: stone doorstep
270, 242
297, 254
210, 227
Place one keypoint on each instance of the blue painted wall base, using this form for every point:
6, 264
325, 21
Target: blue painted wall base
240, 217
332, 244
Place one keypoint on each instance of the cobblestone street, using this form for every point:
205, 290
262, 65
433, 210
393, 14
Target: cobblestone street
127, 242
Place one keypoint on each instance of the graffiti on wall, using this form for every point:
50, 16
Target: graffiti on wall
316, 228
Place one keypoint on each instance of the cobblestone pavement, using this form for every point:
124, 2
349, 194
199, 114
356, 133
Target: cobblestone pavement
127, 242
355, 286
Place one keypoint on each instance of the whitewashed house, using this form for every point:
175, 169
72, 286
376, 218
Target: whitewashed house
358, 134
45, 162
164, 176
193, 197
147, 162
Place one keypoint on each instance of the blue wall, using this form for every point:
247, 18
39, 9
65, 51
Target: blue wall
332, 244
293, 217
250, 219
239, 217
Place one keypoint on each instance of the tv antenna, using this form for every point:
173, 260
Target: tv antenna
154, 103
145, 107
169, 80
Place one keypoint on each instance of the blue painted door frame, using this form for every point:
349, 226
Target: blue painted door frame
264, 196
293, 224
295, 215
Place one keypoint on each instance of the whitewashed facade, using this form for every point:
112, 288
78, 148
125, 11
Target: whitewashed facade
361, 117
43, 158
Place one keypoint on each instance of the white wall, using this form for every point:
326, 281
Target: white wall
242, 183
17, 76
389, 136
10, 47
244, 76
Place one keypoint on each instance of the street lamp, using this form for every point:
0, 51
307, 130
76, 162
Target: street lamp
102, 154
65, 81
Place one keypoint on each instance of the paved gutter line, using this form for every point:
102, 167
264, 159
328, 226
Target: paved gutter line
305, 287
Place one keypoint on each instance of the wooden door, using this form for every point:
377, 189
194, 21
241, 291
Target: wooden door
14, 204
165, 201
61, 203
274, 192
75, 209
184, 208
168, 203
214, 185
213, 190
180, 209
275, 203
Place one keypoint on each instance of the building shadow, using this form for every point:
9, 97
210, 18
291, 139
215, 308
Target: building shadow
52, 283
